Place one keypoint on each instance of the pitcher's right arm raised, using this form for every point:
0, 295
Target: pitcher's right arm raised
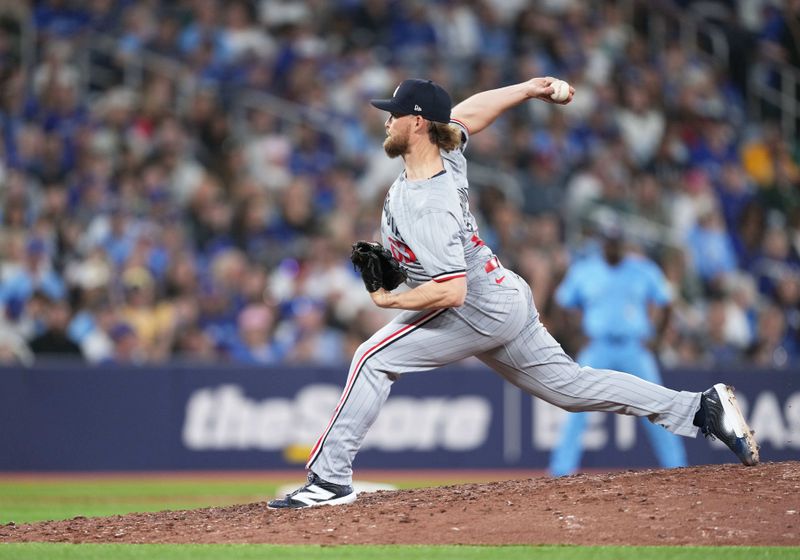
480, 110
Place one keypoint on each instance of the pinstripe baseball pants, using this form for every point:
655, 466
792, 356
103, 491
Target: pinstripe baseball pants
500, 325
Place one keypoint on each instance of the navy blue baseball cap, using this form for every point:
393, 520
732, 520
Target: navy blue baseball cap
418, 97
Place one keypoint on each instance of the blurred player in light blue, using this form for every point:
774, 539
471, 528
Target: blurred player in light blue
621, 297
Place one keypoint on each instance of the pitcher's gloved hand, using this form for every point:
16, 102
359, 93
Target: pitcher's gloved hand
378, 268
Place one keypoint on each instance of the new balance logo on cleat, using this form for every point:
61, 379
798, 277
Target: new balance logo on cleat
316, 492
719, 417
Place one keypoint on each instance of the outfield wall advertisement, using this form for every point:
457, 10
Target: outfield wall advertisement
246, 418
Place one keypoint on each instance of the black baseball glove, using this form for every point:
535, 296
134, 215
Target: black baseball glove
378, 268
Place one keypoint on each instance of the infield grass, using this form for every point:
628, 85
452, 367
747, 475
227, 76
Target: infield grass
38, 551
28, 501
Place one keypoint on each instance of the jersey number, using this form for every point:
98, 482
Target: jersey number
401, 251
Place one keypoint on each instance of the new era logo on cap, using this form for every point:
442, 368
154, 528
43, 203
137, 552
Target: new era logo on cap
412, 95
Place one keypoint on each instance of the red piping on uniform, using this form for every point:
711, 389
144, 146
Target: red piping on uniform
354, 374
441, 279
462, 124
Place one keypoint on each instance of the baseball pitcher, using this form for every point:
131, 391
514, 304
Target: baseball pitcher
463, 302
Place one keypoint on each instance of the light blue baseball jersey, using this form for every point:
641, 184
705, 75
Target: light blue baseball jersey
614, 299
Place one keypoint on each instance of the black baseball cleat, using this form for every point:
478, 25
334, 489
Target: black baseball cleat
316, 492
719, 417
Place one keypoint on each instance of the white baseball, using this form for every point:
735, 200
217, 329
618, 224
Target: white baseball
560, 91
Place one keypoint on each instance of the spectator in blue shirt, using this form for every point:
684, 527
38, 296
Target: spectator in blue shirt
36, 273
713, 254
254, 342
615, 291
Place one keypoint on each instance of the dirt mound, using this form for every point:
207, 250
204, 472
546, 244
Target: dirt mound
709, 505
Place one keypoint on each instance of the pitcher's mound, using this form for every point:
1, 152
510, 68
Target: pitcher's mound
708, 505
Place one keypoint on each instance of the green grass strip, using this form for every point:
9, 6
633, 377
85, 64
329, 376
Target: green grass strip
130, 488
41, 501
39, 551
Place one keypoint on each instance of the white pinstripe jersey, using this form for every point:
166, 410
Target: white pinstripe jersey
427, 224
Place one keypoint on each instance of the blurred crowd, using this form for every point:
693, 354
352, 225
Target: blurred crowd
169, 218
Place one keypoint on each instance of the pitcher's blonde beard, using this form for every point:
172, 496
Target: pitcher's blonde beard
395, 146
